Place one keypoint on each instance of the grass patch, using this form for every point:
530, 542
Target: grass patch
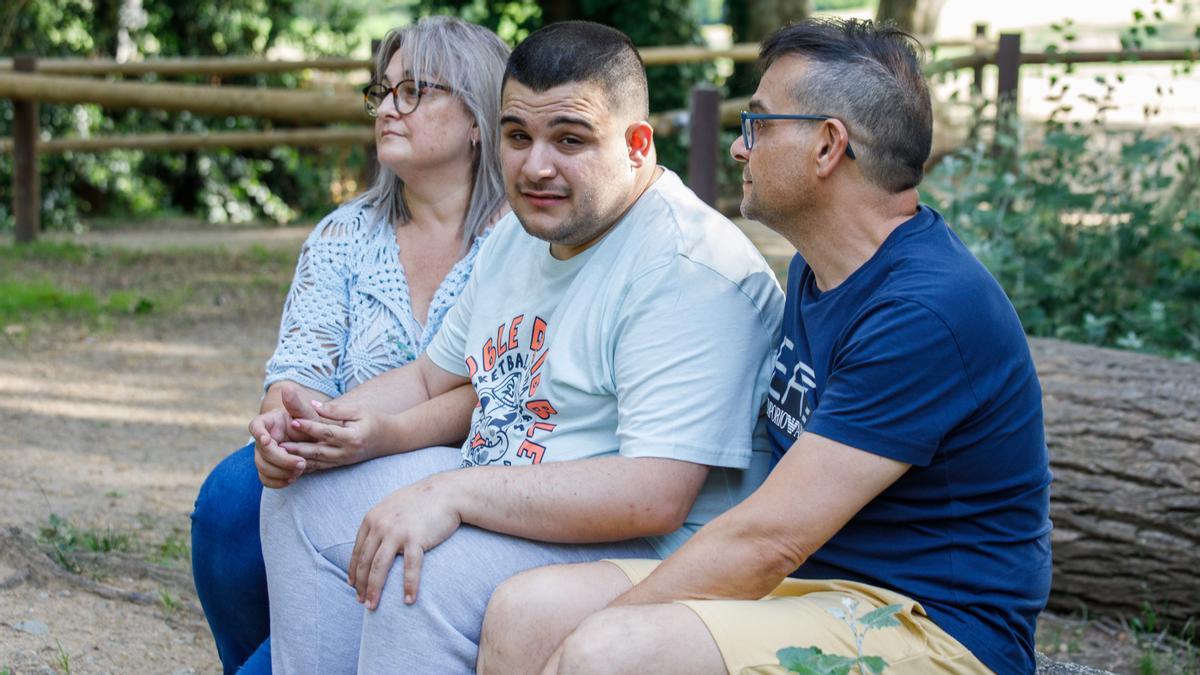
169, 603
23, 300
48, 251
66, 538
47, 284
173, 549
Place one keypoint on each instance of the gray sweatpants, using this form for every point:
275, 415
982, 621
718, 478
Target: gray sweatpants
317, 626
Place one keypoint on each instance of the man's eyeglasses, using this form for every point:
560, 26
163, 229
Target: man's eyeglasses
406, 95
749, 119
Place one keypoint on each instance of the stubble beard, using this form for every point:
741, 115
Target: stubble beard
581, 226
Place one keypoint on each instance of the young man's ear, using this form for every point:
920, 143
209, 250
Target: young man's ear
639, 138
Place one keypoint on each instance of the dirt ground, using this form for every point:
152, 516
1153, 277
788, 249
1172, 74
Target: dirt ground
112, 428
109, 425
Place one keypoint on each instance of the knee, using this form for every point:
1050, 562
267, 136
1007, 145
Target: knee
521, 600
599, 644
228, 500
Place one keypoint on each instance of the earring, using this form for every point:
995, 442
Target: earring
474, 143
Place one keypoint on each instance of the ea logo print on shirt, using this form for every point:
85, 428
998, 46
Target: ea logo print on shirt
790, 404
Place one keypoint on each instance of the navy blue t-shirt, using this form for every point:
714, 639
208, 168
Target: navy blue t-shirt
919, 356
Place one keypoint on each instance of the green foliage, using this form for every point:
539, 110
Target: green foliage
1093, 236
813, 661
222, 186
1093, 233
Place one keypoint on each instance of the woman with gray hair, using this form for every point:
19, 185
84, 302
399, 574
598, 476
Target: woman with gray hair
373, 283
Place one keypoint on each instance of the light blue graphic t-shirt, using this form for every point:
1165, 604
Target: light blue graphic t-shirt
654, 342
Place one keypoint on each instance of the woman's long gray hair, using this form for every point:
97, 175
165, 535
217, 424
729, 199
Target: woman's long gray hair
470, 59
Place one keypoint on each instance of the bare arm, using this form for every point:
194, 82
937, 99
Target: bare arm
587, 500
582, 501
817, 488
343, 434
402, 388
412, 407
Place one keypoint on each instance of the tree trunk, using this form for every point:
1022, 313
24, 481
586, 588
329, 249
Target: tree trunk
903, 13
754, 20
1124, 436
918, 17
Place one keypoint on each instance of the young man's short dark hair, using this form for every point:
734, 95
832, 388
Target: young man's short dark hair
582, 51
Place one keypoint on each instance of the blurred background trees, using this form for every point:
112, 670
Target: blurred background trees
1091, 224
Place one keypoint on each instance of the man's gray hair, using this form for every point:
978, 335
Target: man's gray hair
470, 59
869, 76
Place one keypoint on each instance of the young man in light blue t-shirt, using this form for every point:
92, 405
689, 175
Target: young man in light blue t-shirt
617, 332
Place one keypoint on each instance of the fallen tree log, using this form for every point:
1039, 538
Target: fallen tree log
1124, 436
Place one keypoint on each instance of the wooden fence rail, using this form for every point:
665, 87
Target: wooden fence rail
296, 106
305, 137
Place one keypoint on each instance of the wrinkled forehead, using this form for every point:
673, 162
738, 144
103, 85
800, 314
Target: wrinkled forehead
781, 84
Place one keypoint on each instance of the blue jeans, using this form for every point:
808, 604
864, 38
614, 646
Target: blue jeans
227, 564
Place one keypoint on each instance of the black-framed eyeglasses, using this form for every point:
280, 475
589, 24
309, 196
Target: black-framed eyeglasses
406, 95
749, 118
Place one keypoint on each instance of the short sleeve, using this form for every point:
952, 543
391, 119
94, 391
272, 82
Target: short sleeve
315, 325
448, 349
896, 386
690, 351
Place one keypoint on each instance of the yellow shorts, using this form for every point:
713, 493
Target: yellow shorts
750, 632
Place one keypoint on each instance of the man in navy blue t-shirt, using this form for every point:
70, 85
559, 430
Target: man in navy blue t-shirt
904, 412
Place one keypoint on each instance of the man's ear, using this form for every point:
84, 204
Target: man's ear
833, 141
639, 138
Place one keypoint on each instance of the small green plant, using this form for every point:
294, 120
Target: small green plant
65, 536
813, 661
63, 659
173, 548
169, 602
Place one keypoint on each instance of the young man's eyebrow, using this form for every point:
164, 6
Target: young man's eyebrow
568, 119
511, 119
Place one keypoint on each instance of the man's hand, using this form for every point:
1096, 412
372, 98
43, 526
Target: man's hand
337, 434
409, 521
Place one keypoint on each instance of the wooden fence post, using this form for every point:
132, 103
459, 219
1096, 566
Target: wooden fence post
704, 129
370, 170
1008, 66
1008, 63
26, 193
